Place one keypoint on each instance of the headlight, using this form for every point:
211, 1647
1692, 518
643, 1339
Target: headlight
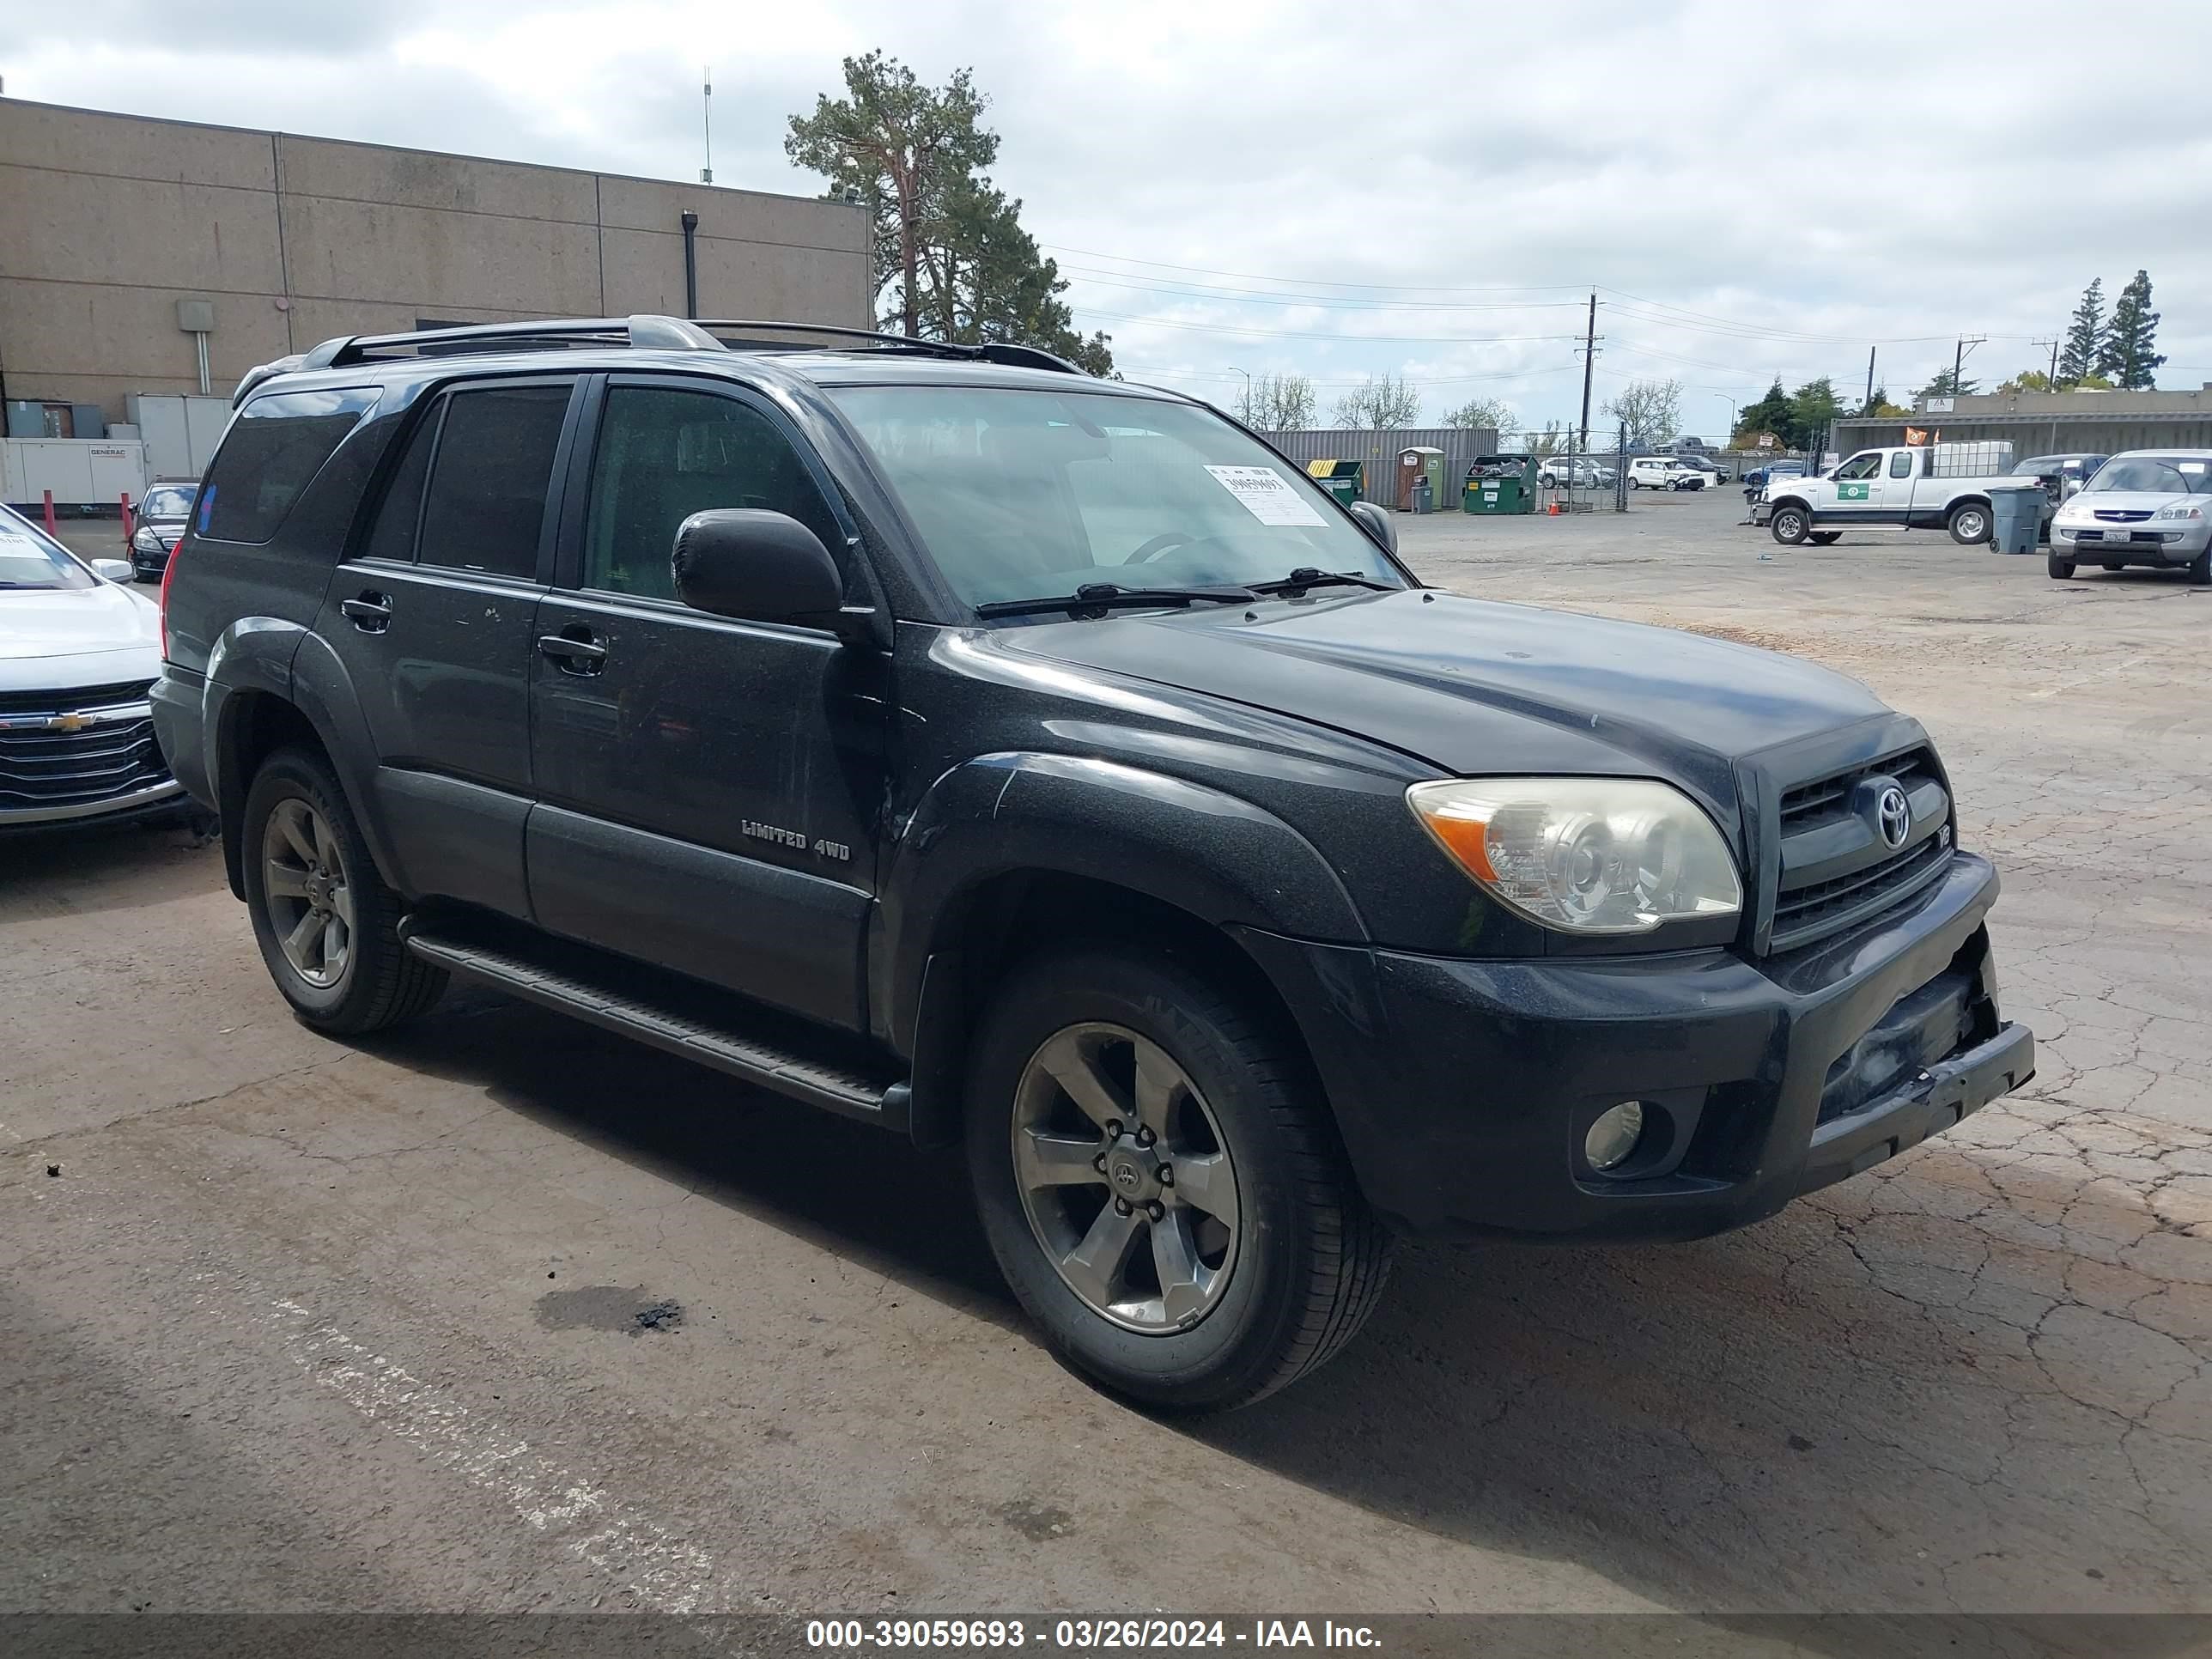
2181, 510
1585, 856
145, 541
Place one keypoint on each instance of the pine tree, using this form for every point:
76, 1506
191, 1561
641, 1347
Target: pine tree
2085, 334
2124, 357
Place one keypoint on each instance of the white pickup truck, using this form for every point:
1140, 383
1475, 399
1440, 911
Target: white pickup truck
1919, 486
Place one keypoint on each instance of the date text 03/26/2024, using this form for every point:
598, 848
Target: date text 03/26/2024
1085, 1635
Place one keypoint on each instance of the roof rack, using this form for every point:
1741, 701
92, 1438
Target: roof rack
991, 351
642, 332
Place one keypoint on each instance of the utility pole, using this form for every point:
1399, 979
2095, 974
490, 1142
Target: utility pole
1868, 407
1966, 342
1589, 361
2053, 344
707, 118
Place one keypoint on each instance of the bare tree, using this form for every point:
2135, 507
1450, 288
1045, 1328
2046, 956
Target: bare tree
1277, 403
1481, 411
1379, 404
1652, 410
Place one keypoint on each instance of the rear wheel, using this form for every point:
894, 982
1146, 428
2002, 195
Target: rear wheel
1789, 524
1160, 1182
2060, 569
327, 925
1969, 524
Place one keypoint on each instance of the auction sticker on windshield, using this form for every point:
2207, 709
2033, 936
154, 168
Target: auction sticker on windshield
1266, 494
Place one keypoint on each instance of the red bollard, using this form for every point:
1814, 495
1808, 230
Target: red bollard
126, 523
51, 530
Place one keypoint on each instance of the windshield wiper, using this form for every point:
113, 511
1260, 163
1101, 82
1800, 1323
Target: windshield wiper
1306, 576
1100, 596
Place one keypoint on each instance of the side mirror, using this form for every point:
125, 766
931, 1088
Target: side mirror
1377, 523
114, 570
757, 566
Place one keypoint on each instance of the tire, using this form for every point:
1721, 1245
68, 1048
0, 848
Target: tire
297, 819
2200, 569
1824, 538
1789, 524
2061, 569
1972, 524
1291, 1278
1548, 481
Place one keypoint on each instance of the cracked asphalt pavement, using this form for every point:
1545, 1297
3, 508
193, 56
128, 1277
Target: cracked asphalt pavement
496, 1312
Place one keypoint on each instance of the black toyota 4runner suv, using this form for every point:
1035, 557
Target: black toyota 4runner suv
1043, 765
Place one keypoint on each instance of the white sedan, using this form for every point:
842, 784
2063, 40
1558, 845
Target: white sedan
79, 647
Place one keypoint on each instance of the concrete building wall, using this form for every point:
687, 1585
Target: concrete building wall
110, 219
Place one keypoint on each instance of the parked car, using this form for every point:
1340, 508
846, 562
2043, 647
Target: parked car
1917, 486
1567, 472
1041, 766
2071, 470
2150, 507
161, 518
1716, 471
1758, 478
78, 648
1664, 472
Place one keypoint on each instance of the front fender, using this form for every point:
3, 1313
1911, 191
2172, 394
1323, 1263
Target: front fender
1207, 852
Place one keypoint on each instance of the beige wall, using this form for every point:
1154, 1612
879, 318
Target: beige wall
107, 221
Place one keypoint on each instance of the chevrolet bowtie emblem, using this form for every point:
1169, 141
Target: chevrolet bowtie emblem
67, 723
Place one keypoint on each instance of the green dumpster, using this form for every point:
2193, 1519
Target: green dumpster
1346, 480
1500, 483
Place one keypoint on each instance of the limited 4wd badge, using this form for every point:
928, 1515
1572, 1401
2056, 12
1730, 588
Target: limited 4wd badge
796, 840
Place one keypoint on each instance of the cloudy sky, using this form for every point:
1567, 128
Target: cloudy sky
1346, 189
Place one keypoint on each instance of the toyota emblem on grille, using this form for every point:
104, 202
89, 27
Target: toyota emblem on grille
1893, 813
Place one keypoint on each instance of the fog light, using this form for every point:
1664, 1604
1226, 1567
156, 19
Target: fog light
1613, 1137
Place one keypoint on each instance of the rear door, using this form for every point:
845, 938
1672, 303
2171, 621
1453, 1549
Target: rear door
708, 789
1893, 495
432, 617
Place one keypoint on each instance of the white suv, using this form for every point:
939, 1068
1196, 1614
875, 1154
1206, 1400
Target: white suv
1663, 472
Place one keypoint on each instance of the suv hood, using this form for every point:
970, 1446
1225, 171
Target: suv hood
114, 633
1474, 686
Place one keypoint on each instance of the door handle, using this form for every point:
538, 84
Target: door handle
371, 612
574, 655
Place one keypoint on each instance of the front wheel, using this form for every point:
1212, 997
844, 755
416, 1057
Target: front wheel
1789, 524
2200, 569
1969, 524
327, 925
2060, 569
1160, 1182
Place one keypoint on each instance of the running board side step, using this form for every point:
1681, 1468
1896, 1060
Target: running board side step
695, 1022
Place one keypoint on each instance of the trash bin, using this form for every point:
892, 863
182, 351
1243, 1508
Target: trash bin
1424, 497
2016, 516
1500, 483
1346, 480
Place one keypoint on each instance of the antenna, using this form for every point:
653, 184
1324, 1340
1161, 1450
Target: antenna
707, 103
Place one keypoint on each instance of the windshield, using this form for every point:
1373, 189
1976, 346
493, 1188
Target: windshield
2153, 475
28, 560
169, 502
1020, 495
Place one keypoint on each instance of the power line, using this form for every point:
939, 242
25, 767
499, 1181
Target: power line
1341, 339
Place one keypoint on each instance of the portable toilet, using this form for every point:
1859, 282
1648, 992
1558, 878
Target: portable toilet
1418, 465
1346, 480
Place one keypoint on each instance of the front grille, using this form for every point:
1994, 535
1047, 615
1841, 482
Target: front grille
2123, 515
1806, 912
1828, 797
103, 761
1835, 869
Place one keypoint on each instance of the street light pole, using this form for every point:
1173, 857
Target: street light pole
1247, 374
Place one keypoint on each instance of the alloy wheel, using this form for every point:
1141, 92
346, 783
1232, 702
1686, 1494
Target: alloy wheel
1126, 1178
305, 893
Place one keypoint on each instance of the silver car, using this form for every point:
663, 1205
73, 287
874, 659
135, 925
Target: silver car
78, 648
2149, 507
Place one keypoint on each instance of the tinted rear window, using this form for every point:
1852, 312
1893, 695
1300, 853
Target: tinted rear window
486, 503
270, 456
